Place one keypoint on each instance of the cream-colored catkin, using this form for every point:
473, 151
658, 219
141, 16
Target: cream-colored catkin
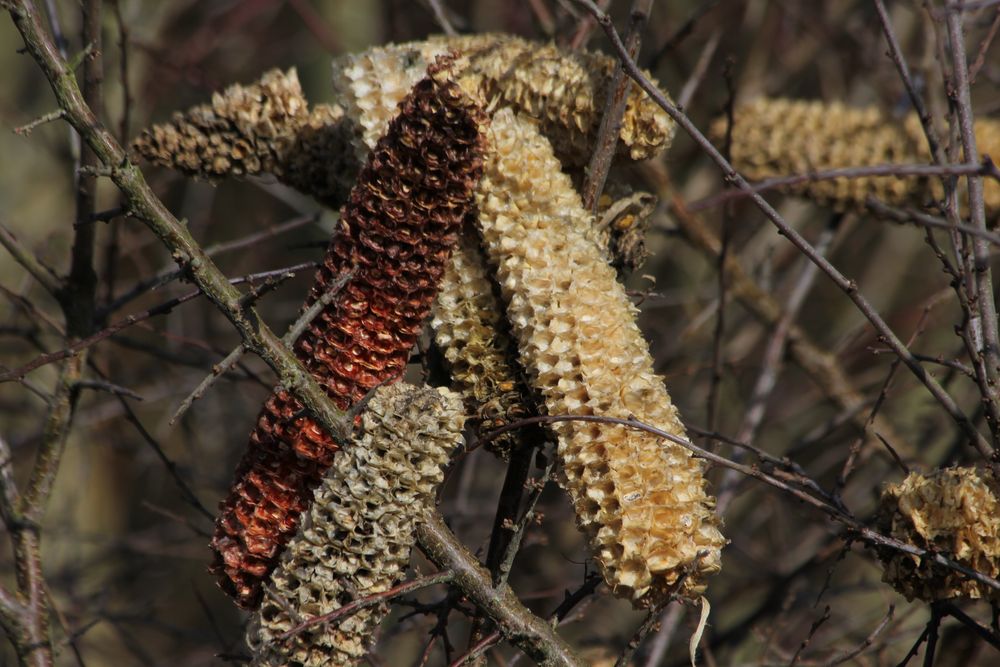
355, 540
263, 127
952, 511
782, 137
564, 90
641, 500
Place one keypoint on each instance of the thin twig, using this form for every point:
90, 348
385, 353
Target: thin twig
984, 168
231, 359
869, 640
528, 632
43, 274
368, 601
849, 287
921, 219
988, 331
162, 309
820, 503
25, 130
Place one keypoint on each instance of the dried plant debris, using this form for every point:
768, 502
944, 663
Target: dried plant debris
317, 153
954, 512
774, 138
356, 538
623, 219
471, 331
641, 500
263, 128
564, 90
395, 237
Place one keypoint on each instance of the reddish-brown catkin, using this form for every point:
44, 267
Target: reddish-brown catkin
396, 234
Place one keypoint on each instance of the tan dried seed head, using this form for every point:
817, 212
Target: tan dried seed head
356, 538
952, 511
783, 137
564, 90
263, 127
641, 500
471, 331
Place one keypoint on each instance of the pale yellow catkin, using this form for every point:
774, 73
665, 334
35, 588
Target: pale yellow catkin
355, 539
782, 137
641, 500
565, 90
952, 511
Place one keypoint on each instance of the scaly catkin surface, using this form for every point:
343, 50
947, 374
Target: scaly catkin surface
264, 127
783, 137
641, 500
565, 90
555, 86
396, 234
358, 533
952, 511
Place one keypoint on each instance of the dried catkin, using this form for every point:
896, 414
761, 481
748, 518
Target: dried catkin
356, 538
471, 331
565, 90
467, 319
782, 137
264, 127
641, 500
395, 237
954, 512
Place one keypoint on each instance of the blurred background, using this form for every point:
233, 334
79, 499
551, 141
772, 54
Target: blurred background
125, 553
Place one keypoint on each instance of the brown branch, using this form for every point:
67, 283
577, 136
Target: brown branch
614, 111
186, 252
986, 332
522, 628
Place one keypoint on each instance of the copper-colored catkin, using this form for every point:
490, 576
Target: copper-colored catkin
641, 500
782, 137
954, 512
396, 234
564, 90
263, 127
358, 532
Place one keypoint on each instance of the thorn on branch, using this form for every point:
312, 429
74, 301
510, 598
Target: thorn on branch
25, 130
